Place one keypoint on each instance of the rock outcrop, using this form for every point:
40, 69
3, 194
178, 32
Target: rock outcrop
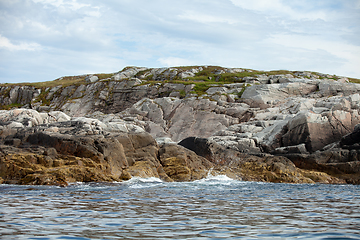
128, 123
84, 150
264, 167
70, 150
340, 159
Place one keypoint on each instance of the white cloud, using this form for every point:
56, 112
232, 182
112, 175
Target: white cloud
7, 44
350, 54
175, 61
205, 18
341, 50
64, 37
279, 8
72, 4
357, 4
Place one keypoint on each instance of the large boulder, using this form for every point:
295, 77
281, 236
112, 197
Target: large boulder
205, 148
272, 94
319, 130
181, 164
351, 140
334, 88
44, 166
340, 159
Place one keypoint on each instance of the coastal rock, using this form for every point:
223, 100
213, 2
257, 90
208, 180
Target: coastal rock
241, 118
22, 166
334, 88
178, 119
43, 154
273, 93
205, 148
318, 130
180, 164
253, 168
340, 159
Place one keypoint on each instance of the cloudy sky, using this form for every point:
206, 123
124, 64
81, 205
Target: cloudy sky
41, 40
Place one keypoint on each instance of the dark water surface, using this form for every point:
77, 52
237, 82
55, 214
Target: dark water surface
214, 208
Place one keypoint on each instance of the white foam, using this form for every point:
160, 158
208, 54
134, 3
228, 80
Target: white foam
138, 182
219, 178
144, 180
75, 183
216, 180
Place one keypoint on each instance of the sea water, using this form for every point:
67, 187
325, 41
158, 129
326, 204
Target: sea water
212, 208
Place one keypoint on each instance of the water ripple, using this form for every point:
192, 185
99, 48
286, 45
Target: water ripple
213, 208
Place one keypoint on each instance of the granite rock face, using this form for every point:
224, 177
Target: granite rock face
264, 167
262, 117
84, 149
62, 152
340, 159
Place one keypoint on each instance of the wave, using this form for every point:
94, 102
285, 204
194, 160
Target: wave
138, 182
217, 180
210, 180
144, 180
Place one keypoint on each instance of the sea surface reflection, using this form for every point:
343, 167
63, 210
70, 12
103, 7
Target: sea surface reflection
213, 208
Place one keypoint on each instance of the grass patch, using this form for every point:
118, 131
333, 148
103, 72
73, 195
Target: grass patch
150, 83
63, 81
243, 90
104, 75
354, 80
208, 74
141, 73
186, 68
10, 106
209, 71
149, 77
279, 72
200, 88
182, 93
200, 78
126, 68
42, 98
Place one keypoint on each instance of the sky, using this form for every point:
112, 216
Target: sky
42, 40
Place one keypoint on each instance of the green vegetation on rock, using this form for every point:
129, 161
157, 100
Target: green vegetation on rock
354, 80
201, 87
42, 97
10, 106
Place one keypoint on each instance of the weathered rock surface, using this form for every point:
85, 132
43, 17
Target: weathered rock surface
69, 151
264, 167
340, 159
306, 117
180, 164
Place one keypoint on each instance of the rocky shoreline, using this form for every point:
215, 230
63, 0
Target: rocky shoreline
180, 124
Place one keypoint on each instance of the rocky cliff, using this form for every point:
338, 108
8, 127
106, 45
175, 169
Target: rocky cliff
251, 125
